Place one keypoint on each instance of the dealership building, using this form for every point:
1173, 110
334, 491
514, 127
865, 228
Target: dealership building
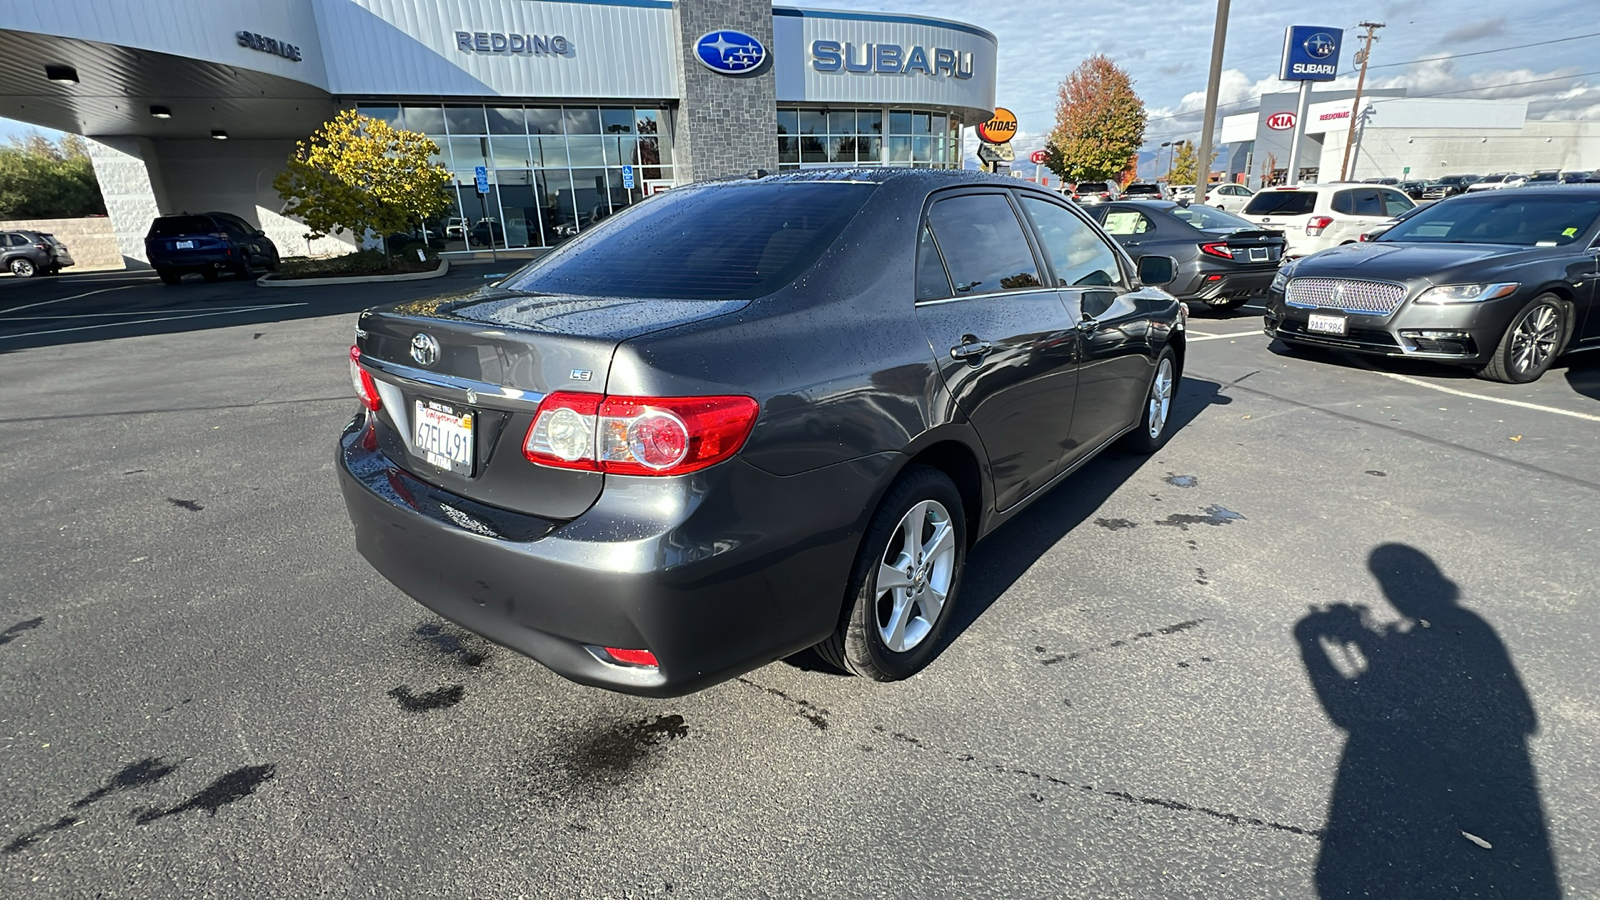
550, 114
1401, 137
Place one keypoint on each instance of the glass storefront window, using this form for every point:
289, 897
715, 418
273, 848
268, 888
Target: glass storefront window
510, 152
390, 114
544, 121
466, 152
622, 151
554, 151
900, 150
812, 121
813, 150
788, 121
921, 123
842, 121
616, 121
586, 150
922, 148
581, 120
465, 120
507, 120
869, 149
869, 121
788, 150
427, 119
899, 123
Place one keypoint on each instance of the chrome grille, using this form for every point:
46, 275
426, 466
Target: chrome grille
1373, 297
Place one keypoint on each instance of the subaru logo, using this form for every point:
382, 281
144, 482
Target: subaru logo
730, 52
1320, 45
424, 349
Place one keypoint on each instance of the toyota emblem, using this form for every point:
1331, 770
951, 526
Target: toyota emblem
424, 349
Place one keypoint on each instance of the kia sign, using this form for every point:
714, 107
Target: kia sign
999, 129
1310, 53
1037, 157
1282, 121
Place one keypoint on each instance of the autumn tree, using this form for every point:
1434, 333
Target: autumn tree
361, 174
1100, 123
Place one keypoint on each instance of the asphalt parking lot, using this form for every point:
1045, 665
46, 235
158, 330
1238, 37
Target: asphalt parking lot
204, 691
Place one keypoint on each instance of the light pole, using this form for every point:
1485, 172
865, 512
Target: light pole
1219, 37
1168, 173
1355, 105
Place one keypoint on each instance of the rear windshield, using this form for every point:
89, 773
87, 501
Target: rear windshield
172, 226
1281, 203
1142, 189
1451, 179
1517, 220
1207, 218
1092, 187
726, 242
1545, 176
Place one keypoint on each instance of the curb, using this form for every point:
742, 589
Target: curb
267, 281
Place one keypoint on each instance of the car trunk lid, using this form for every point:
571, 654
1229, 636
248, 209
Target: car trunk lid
1249, 246
461, 376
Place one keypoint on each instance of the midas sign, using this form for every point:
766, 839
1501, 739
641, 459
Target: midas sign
1001, 128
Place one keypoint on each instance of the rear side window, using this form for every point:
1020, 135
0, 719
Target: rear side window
984, 247
1395, 203
1282, 203
1125, 222
1344, 202
932, 282
726, 242
1079, 256
174, 226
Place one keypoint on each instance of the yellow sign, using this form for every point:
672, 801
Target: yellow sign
1000, 129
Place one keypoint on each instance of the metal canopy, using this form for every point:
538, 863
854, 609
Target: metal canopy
118, 85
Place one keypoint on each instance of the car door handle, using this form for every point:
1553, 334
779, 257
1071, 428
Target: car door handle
971, 349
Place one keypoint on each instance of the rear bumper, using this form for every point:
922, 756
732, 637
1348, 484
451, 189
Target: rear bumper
1229, 284
192, 260
715, 573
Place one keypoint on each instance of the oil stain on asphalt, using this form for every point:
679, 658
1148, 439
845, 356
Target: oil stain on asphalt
230, 788
1122, 642
1182, 481
11, 634
805, 709
190, 505
442, 698
1213, 515
1116, 524
602, 755
143, 773
462, 647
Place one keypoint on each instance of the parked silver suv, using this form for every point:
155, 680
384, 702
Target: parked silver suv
29, 253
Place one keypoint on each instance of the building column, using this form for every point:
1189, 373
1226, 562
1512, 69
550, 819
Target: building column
130, 182
727, 125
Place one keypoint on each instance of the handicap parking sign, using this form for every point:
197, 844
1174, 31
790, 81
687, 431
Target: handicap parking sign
627, 177
481, 173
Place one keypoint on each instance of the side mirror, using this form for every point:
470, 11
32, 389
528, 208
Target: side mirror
1155, 271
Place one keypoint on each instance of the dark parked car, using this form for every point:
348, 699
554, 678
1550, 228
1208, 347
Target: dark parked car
1449, 186
744, 418
1413, 189
1222, 259
1145, 190
209, 243
1092, 192
1501, 281
29, 253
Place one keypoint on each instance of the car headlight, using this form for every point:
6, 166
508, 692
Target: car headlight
1280, 281
1467, 293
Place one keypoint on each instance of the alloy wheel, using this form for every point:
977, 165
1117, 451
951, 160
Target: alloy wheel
1534, 341
915, 575
22, 268
1160, 398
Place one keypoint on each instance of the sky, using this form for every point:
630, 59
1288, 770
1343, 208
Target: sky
1165, 45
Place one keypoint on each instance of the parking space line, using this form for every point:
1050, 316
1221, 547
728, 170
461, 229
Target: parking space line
4, 337
146, 312
65, 299
1521, 404
1202, 336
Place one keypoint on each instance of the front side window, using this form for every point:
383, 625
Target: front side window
1368, 203
1395, 203
1079, 257
983, 243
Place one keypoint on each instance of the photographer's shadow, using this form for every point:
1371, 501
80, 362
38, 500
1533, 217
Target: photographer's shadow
1436, 795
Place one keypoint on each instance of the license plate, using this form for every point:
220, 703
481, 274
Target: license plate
1326, 324
183, 245
443, 436
1259, 254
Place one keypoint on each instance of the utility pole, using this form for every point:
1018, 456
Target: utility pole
1355, 105
1219, 37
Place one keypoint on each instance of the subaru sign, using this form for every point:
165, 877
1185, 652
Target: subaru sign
1310, 53
730, 52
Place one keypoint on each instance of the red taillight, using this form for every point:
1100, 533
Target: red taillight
41, 246
1105, 196
637, 435
1315, 224
633, 657
1217, 248
1363, 237
366, 389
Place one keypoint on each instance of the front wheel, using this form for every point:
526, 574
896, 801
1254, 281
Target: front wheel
23, 267
1155, 423
904, 580
1530, 343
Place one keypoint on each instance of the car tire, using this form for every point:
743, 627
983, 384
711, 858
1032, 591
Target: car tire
169, 276
22, 267
1530, 344
1155, 421
918, 536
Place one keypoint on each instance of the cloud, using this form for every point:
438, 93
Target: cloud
1474, 32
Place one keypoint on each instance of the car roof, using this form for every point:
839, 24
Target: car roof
1559, 190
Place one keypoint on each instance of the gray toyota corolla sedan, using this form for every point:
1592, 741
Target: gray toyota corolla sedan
1500, 281
745, 418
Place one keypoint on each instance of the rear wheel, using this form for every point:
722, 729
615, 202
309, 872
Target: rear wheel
1155, 424
904, 580
169, 276
1530, 343
22, 267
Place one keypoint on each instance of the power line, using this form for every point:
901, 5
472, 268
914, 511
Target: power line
1413, 62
